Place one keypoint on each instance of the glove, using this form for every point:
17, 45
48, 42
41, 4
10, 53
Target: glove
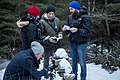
44, 72
46, 75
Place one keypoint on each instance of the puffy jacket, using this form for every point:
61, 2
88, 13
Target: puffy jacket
30, 32
83, 23
51, 27
22, 67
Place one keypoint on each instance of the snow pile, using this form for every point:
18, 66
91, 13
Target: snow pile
61, 53
57, 77
64, 64
96, 72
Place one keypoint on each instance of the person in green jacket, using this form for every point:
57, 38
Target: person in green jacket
52, 31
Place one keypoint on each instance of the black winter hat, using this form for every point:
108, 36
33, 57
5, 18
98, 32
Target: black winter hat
50, 8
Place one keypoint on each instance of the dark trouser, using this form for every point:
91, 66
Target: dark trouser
48, 52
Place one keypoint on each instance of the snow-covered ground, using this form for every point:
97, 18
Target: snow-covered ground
94, 72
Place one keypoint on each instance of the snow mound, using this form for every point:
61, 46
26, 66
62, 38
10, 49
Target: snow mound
61, 53
64, 64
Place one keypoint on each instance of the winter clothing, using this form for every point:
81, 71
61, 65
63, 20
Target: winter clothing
83, 10
74, 4
22, 67
30, 32
51, 28
79, 40
78, 51
50, 8
34, 11
37, 47
83, 23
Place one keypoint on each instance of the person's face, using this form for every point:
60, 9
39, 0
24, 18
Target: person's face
51, 15
38, 56
72, 10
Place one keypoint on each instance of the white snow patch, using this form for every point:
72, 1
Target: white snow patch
64, 64
61, 53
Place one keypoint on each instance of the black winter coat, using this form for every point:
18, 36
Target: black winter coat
32, 31
29, 34
83, 24
22, 67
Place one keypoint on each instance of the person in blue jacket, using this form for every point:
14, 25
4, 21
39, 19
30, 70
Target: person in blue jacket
22, 66
78, 30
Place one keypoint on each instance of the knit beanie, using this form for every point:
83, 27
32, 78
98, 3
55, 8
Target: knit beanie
34, 11
50, 8
74, 4
37, 48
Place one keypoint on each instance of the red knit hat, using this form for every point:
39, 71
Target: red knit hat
34, 11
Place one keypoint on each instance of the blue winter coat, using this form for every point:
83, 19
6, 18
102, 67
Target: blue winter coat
22, 67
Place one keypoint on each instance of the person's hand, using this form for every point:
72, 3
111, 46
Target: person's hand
52, 39
44, 72
21, 24
60, 36
73, 29
65, 27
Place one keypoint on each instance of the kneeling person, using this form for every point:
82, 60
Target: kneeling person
22, 66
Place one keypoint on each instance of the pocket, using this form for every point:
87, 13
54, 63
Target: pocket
78, 38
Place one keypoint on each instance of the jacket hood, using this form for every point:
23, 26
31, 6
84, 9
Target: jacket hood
83, 10
45, 16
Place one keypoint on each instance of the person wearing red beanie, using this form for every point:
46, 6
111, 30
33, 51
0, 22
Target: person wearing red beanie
30, 29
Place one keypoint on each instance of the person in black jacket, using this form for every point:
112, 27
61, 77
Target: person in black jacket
22, 66
31, 30
78, 31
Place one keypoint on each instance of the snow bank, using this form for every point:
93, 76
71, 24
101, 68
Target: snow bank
61, 53
64, 64
95, 72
